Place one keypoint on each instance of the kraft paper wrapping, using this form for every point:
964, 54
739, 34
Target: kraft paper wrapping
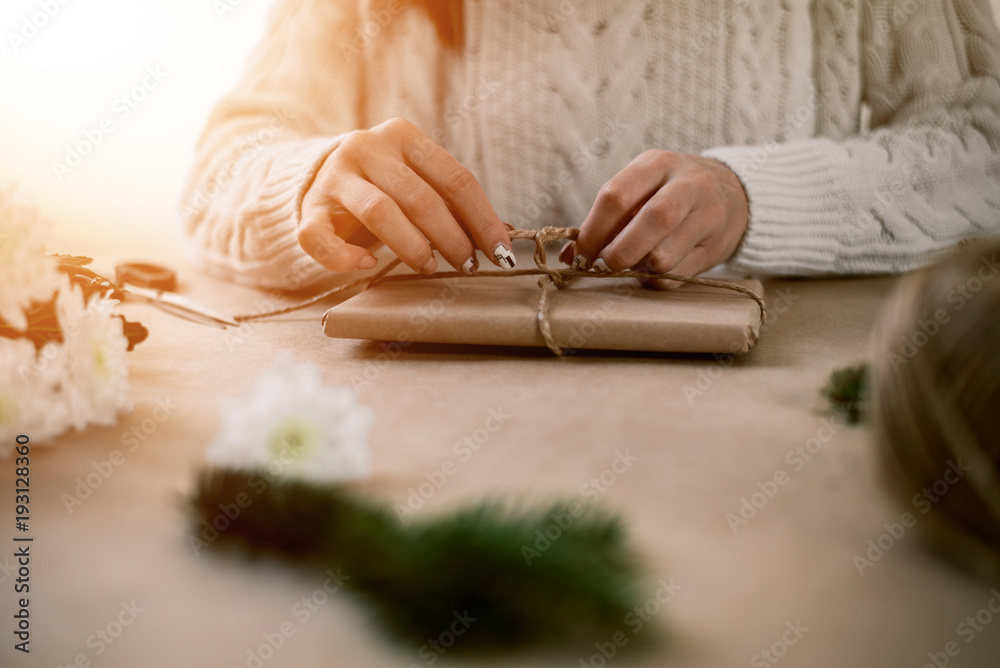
591, 313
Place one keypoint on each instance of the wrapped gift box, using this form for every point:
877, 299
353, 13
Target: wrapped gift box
590, 313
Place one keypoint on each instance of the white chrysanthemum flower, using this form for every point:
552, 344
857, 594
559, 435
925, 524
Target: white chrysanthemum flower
95, 374
29, 399
15, 354
26, 274
292, 425
49, 416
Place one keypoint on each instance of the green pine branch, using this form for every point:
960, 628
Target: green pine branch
528, 576
847, 391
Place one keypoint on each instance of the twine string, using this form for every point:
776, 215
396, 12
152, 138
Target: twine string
549, 277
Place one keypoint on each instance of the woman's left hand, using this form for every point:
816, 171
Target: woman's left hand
664, 213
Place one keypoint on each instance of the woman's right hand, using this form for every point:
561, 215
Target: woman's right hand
393, 183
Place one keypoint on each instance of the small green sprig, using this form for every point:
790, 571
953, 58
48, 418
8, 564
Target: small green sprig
488, 562
847, 391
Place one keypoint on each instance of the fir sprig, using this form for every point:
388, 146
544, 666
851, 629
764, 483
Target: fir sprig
847, 391
528, 576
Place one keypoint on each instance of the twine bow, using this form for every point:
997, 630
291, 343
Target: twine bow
548, 277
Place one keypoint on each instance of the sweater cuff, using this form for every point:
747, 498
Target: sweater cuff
800, 220
258, 245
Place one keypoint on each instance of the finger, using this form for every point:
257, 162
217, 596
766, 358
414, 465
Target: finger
428, 212
567, 253
693, 264
380, 214
318, 239
457, 185
658, 218
323, 201
623, 194
672, 254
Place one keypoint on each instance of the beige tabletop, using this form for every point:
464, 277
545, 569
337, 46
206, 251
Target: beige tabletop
705, 434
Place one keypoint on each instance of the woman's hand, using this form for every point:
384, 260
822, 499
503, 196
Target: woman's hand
393, 183
664, 213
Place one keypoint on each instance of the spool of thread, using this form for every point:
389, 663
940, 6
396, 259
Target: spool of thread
936, 404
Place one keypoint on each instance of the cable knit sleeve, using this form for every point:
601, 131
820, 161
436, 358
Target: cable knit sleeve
264, 143
924, 177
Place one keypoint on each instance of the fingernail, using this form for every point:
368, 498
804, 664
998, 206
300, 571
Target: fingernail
566, 252
601, 266
429, 267
504, 256
468, 265
580, 263
367, 262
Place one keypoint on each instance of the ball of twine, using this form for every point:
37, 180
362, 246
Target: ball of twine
936, 404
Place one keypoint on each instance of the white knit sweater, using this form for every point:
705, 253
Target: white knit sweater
548, 100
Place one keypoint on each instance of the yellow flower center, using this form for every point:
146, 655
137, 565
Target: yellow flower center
292, 438
100, 356
9, 413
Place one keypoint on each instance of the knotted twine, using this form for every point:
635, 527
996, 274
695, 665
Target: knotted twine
548, 277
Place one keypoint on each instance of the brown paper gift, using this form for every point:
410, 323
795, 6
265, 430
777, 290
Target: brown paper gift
590, 313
